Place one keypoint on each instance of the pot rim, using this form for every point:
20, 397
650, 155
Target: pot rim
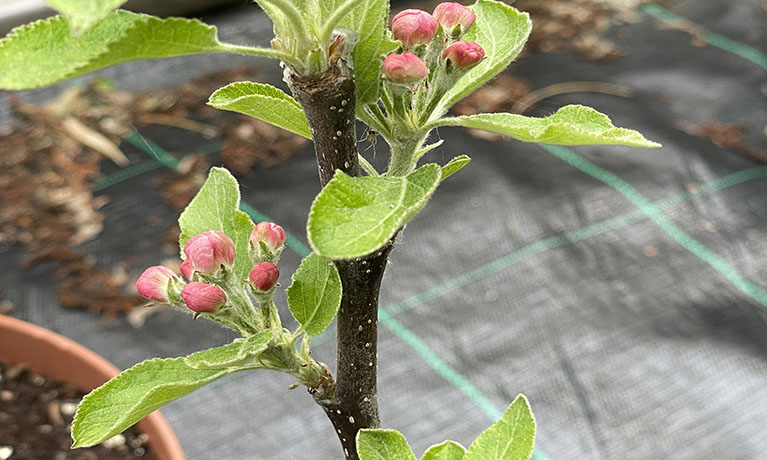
57, 357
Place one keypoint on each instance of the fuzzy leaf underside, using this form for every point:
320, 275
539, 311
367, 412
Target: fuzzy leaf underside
454, 165
315, 294
217, 207
570, 125
502, 32
368, 20
264, 102
44, 52
136, 392
232, 354
83, 14
448, 450
380, 444
510, 438
281, 27
354, 216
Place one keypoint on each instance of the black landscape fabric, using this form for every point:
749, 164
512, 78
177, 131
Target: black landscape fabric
623, 291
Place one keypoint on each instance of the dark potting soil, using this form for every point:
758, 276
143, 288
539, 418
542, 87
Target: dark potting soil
35, 419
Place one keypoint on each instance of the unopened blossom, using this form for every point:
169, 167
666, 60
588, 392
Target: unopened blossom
264, 276
404, 68
203, 297
186, 269
153, 283
209, 251
271, 235
452, 15
463, 55
413, 27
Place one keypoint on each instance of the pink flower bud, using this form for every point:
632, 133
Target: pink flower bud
208, 251
153, 283
272, 235
413, 27
452, 15
404, 68
463, 55
186, 269
264, 276
203, 298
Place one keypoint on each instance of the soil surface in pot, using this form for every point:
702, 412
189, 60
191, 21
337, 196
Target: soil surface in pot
35, 418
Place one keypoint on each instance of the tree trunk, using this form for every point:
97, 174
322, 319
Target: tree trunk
351, 403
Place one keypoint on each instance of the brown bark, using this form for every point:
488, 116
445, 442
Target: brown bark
351, 402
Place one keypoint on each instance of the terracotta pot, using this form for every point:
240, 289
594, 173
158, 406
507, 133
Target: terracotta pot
59, 358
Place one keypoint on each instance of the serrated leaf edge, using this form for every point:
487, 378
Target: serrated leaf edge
78, 418
138, 17
454, 165
526, 404
404, 219
626, 136
283, 97
245, 352
383, 430
446, 442
309, 320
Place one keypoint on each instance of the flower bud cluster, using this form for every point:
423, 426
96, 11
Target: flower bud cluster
432, 52
208, 269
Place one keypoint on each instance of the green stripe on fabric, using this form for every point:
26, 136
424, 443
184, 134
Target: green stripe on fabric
446, 371
570, 237
757, 57
654, 213
152, 149
125, 174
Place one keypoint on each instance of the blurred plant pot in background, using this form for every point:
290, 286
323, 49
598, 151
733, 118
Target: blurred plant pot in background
58, 358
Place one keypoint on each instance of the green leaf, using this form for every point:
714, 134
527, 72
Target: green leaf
83, 14
127, 398
232, 354
217, 207
502, 32
455, 165
383, 445
448, 450
281, 27
44, 52
264, 102
354, 216
368, 20
510, 438
315, 295
570, 125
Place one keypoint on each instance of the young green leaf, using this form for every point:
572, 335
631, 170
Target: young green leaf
455, 165
83, 14
354, 216
502, 32
45, 52
448, 450
232, 354
217, 207
315, 295
570, 125
368, 19
264, 102
510, 438
127, 398
383, 445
